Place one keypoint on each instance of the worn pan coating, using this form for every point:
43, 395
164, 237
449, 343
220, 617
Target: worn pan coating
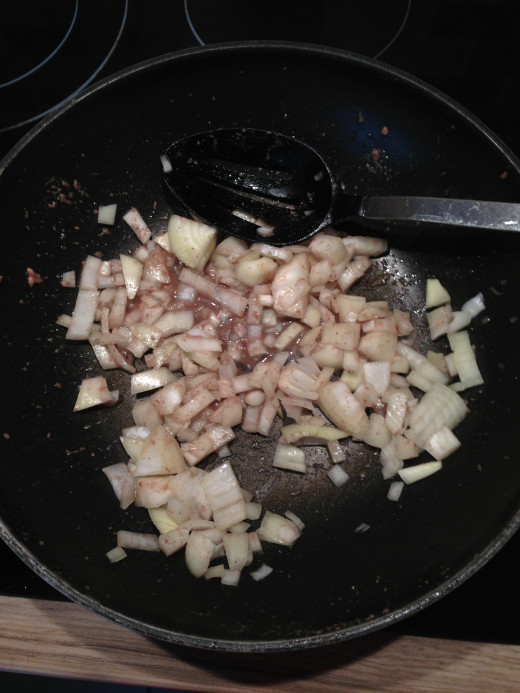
58, 511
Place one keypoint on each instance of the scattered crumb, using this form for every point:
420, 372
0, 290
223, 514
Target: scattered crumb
33, 277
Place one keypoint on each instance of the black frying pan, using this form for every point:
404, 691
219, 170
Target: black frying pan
58, 511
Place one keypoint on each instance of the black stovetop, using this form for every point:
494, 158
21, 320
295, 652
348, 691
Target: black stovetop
467, 48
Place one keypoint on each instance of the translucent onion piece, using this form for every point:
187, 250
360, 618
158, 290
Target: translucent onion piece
138, 225
419, 471
440, 406
464, 360
436, 294
442, 443
278, 530
137, 540
262, 572
338, 475
395, 490
289, 457
116, 554
107, 214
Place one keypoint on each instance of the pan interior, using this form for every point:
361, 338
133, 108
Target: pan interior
57, 509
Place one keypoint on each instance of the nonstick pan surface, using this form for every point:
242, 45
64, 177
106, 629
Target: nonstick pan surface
58, 511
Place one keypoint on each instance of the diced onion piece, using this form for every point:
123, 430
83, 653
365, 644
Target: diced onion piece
254, 510
440, 406
294, 518
362, 528
390, 461
395, 490
474, 305
464, 360
436, 294
224, 496
123, 483
289, 457
83, 315
439, 320
107, 214
236, 546
301, 431
68, 279
116, 554
419, 471
377, 373
198, 554
191, 241
210, 441
262, 572
162, 520
132, 272
166, 163
90, 273
161, 454
378, 434
232, 300
337, 475
93, 392
256, 271
138, 540
341, 407
278, 530
138, 225
396, 407
174, 540
230, 578
174, 322
442, 443
215, 571
459, 320
150, 379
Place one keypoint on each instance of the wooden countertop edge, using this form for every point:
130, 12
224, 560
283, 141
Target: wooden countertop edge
62, 639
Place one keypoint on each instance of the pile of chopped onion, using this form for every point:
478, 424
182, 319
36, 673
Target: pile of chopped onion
219, 336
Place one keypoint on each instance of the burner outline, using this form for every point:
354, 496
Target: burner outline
41, 115
49, 57
375, 57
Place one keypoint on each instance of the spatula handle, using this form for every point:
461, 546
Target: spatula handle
503, 216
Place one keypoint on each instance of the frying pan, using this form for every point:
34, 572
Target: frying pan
58, 511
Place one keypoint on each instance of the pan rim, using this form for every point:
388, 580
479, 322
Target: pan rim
301, 642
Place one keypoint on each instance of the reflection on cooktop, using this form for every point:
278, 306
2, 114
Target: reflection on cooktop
369, 27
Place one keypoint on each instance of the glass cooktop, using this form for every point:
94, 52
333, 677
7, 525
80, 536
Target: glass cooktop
467, 48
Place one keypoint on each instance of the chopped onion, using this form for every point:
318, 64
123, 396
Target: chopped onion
442, 443
107, 214
231, 335
419, 471
338, 475
278, 530
465, 361
436, 294
395, 490
138, 225
289, 457
150, 380
294, 518
362, 528
137, 540
116, 554
262, 572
